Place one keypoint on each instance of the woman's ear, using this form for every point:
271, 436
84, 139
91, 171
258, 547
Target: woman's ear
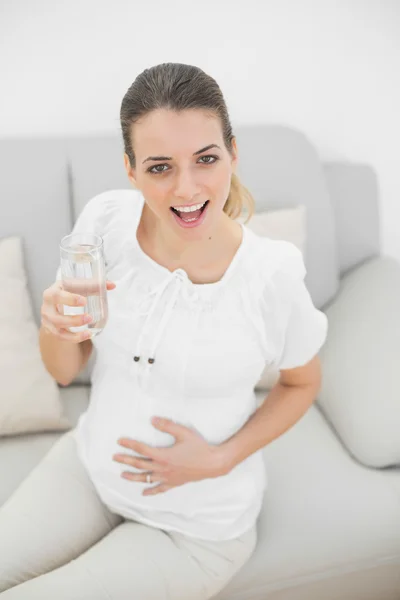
129, 170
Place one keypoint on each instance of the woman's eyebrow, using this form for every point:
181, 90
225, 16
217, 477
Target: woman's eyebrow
170, 157
206, 148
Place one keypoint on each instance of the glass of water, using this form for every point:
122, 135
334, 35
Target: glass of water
83, 272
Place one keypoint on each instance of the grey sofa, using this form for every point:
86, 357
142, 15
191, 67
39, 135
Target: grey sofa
330, 526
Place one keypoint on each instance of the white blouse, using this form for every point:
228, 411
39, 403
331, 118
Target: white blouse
210, 344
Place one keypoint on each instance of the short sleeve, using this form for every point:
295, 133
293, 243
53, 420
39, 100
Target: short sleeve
305, 328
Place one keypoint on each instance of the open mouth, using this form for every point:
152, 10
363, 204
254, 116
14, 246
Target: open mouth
190, 217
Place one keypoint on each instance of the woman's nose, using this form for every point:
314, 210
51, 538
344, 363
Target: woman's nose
186, 186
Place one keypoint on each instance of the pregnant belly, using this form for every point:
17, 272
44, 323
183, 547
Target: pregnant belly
122, 410
215, 497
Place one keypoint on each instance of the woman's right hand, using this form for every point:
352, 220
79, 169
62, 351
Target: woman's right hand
53, 319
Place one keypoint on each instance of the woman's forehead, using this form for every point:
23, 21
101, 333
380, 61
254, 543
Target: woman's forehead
165, 132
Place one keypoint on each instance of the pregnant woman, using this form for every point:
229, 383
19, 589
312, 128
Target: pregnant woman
155, 494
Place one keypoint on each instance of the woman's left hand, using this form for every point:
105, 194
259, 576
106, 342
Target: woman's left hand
191, 458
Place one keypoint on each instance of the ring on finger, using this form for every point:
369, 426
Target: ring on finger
148, 478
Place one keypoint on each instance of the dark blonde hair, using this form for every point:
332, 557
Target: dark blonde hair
178, 87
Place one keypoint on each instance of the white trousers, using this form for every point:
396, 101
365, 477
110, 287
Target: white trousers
58, 541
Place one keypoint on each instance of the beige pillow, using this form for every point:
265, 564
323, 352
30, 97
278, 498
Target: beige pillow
30, 398
287, 224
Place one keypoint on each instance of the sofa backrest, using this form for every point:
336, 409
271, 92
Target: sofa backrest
44, 184
278, 165
35, 204
354, 194
281, 169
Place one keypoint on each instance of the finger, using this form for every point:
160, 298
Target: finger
143, 449
158, 489
85, 286
142, 477
58, 295
138, 463
65, 321
180, 432
64, 334
77, 338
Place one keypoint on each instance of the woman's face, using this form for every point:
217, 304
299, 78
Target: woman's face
181, 162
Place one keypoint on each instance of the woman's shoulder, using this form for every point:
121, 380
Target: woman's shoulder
113, 215
112, 208
274, 259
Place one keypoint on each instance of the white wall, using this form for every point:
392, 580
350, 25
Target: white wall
330, 68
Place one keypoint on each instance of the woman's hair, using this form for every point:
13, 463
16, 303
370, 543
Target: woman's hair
178, 87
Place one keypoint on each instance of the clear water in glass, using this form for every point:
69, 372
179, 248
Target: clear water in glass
83, 272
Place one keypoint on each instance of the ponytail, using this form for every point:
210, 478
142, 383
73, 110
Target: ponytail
239, 200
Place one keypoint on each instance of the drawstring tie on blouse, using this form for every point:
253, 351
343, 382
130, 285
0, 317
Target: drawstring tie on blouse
181, 286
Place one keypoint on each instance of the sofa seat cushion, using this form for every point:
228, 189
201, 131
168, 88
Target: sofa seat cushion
324, 515
19, 454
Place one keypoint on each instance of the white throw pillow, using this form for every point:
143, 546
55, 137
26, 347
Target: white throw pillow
287, 224
30, 398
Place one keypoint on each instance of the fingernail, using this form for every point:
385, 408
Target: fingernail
87, 319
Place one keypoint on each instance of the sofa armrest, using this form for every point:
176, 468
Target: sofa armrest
360, 363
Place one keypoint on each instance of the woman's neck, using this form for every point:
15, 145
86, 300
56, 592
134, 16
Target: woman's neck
198, 256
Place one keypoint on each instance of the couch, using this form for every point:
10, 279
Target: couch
330, 525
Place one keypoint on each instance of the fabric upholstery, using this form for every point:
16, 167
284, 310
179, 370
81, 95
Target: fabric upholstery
354, 194
20, 453
281, 169
313, 525
34, 198
29, 397
360, 362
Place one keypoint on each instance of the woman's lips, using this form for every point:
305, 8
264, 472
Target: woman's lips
192, 224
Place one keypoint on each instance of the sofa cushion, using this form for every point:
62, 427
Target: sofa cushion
34, 197
29, 398
287, 224
281, 168
19, 454
97, 165
323, 516
360, 361
353, 190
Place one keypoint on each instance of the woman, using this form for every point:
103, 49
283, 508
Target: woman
157, 491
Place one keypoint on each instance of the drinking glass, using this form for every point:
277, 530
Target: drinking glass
83, 271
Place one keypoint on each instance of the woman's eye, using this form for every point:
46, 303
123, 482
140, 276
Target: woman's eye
157, 169
209, 159
162, 168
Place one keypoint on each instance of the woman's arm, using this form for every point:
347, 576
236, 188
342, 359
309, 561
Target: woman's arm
286, 403
63, 359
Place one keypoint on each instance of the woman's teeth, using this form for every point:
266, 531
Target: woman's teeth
191, 215
189, 208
